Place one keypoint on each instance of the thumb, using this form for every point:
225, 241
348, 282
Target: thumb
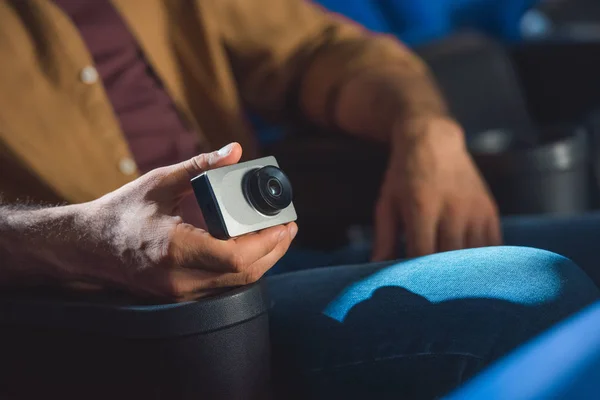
179, 175
386, 228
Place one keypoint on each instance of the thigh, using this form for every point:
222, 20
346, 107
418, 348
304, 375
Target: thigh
416, 328
563, 363
575, 237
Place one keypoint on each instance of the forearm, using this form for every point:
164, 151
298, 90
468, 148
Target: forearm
385, 100
39, 245
300, 63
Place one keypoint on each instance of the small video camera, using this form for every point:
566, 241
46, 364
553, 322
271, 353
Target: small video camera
244, 198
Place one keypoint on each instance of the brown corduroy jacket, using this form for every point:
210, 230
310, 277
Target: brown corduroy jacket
59, 137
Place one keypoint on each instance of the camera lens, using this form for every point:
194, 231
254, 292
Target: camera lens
274, 187
269, 190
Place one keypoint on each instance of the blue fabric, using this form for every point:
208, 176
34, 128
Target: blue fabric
417, 22
416, 328
365, 12
575, 237
562, 364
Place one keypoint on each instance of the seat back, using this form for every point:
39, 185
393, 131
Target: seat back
477, 77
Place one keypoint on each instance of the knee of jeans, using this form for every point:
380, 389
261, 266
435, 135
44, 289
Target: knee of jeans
529, 276
520, 275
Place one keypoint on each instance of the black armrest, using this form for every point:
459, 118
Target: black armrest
54, 344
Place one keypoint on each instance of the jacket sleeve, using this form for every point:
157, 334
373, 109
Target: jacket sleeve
291, 55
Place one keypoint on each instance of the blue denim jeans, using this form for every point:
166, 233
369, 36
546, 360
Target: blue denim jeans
419, 328
563, 363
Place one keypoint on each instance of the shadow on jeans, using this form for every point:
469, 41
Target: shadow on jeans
398, 344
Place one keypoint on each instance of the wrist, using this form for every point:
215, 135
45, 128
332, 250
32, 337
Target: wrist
373, 102
439, 130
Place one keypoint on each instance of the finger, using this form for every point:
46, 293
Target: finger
476, 234
420, 233
451, 232
261, 266
386, 228
179, 175
484, 229
181, 283
494, 231
195, 248
257, 269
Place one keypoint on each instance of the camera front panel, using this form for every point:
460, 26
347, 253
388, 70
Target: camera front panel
241, 213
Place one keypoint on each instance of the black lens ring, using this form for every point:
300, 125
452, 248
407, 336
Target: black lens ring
257, 187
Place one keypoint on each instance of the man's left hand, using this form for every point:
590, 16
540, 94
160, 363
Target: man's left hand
433, 191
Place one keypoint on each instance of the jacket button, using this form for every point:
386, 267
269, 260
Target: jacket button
89, 75
127, 166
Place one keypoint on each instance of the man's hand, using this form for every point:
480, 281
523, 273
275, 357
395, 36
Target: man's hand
135, 239
434, 193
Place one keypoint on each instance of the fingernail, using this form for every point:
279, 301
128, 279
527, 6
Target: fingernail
293, 230
225, 151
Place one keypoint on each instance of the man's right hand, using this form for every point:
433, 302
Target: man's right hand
134, 238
